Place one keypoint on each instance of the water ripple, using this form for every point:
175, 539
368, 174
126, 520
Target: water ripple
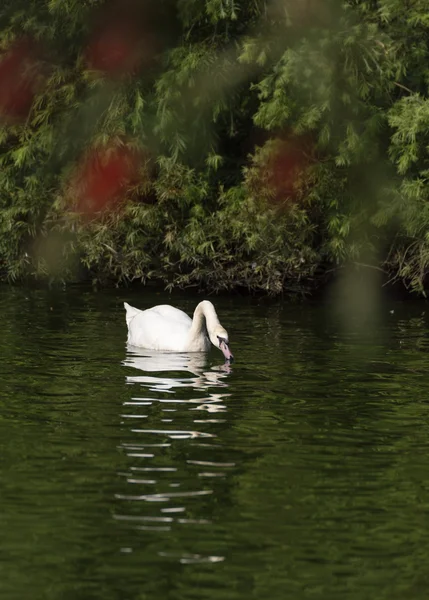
170, 387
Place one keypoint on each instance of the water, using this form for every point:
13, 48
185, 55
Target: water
301, 472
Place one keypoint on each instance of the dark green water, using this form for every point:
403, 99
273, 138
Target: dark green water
302, 473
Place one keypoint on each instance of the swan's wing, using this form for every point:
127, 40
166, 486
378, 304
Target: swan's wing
160, 328
171, 313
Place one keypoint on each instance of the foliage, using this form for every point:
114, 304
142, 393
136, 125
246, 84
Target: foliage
278, 139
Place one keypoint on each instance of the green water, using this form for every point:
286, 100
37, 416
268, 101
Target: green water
301, 473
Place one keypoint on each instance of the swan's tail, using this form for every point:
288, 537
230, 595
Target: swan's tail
131, 312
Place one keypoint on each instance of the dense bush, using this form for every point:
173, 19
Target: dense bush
275, 139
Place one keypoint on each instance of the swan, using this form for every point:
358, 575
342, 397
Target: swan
169, 329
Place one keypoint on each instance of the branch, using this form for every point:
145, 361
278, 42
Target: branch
403, 87
359, 264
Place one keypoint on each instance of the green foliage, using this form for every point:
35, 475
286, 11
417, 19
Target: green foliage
211, 115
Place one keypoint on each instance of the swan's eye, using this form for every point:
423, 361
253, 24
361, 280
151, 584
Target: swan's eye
221, 339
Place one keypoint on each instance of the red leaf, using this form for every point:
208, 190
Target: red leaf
20, 73
103, 178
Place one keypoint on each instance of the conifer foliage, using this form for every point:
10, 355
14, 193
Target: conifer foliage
213, 143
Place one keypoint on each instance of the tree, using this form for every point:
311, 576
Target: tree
272, 140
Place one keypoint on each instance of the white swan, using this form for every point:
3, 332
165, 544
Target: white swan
170, 329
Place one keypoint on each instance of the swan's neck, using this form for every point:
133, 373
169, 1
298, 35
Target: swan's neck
205, 320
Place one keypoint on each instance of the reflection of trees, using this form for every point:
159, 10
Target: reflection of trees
57, 442
333, 489
304, 469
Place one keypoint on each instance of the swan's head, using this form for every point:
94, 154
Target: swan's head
219, 338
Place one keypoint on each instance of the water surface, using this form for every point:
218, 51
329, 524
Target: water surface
301, 472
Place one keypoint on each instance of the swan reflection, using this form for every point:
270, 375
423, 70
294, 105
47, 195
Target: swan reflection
173, 454
192, 363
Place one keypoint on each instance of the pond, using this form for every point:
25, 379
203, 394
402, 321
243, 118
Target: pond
301, 472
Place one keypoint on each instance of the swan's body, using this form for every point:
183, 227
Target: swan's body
171, 330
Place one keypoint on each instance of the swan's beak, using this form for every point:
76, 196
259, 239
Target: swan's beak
226, 351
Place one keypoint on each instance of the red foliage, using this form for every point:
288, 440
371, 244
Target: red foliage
116, 49
124, 38
103, 178
20, 77
287, 166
